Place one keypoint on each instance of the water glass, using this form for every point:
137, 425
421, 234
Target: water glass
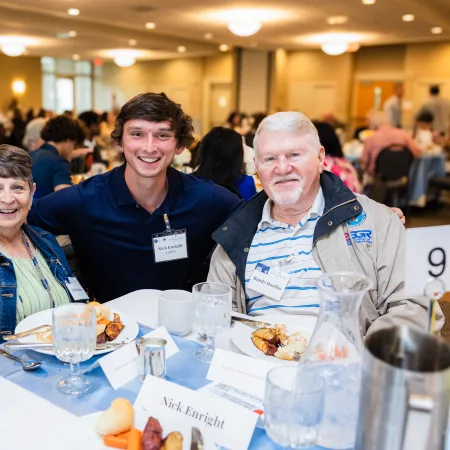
74, 340
176, 311
213, 305
293, 406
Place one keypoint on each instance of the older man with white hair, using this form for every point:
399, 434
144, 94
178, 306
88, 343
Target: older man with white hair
306, 223
32, 139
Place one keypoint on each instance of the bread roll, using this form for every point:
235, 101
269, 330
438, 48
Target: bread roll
117, 419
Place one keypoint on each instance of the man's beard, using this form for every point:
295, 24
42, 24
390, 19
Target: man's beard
287, 197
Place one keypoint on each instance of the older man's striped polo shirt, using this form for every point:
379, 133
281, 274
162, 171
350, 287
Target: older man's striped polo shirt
273, 243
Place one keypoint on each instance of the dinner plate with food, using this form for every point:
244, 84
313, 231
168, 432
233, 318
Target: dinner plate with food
112, 327
123, 426
279, 341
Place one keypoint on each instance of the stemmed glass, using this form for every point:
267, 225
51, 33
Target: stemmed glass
74, 341
213, 305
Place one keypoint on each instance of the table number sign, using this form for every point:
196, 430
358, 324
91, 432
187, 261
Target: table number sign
427, 257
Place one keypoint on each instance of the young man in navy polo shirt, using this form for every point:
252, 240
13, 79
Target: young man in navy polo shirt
143, 225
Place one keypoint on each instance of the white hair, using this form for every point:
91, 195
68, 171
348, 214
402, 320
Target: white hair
377, 119
288, 122
33, 131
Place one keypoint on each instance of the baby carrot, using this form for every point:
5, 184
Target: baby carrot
134, 440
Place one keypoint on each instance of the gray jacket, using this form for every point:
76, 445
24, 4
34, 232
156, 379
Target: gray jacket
378, 254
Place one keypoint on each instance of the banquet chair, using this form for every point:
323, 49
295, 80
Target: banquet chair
392, 176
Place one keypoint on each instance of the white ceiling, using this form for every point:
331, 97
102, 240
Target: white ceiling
110, 24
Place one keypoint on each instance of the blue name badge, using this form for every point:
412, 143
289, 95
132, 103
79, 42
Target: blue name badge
268, 281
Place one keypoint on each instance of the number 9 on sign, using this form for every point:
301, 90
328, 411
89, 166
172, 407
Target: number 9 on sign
436, 258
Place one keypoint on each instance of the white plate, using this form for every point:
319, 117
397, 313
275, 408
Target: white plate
93, 441
128, 334
241, 335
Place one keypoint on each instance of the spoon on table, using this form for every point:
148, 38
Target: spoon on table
27, 364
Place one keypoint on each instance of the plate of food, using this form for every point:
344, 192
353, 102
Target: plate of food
277, 342
126, 427
112, 327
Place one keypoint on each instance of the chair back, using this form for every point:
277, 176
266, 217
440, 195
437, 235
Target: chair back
393, 163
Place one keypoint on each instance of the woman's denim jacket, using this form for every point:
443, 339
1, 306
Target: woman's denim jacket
56, 260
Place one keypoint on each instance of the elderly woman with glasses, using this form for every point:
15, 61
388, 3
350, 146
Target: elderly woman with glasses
34, 273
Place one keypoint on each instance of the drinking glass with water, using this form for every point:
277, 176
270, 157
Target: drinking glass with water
74, 340
213, 305
293, 406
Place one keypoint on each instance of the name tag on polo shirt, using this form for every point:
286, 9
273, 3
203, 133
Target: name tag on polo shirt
268, 281
169, 246
76, 290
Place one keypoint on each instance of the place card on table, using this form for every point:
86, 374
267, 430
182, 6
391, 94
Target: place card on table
427, 256
162, 333
123, 365
224, 423
240, 371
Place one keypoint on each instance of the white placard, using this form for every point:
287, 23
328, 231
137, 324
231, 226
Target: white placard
224, 423
171, 348
240, 371
121, 366
76, 290
427, 256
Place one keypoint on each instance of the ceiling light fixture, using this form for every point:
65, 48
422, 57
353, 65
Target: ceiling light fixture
13, 48
334, 48
408, 17
72, 34
368, 2
124, 58
208, 36
150, 25
181, 49
436, 30
337, 20
223, 47
73, 12
244, 27
132, 42
76, 57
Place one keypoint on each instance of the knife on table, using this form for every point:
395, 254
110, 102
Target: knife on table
196, 439
42, 346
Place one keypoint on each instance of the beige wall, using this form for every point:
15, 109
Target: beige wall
312, 77
181, 79
24, 68
278, 88
380, 63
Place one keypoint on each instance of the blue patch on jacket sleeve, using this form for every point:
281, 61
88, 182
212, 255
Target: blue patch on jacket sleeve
358, 220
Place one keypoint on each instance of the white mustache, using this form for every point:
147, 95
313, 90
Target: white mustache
283, 178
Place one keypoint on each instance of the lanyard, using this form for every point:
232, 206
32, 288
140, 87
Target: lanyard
44, 280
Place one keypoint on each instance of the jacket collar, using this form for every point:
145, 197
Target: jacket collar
40, 242
49, 147
341, 205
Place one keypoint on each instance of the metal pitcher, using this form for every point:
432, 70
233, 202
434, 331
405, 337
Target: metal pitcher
405, 391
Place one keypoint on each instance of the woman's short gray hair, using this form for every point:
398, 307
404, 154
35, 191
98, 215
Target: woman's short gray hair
288, 122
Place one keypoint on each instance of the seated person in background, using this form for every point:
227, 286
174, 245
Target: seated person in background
115, 220
334, 157
32, 139
51, 167
424, 134
257, 119
30, 258
222, 161
384, 136
305, 223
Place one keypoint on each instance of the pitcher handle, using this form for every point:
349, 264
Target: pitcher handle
418, 419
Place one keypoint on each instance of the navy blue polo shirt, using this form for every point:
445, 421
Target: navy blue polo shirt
112, 235
50, 169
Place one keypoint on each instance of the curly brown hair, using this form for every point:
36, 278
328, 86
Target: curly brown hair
15, 163
155, 108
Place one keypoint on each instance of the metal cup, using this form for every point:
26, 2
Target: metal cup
152, 353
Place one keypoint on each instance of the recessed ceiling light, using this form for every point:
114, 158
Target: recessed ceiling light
72, 34
408, 17
76, 57
73, 12
337, 20
150, 25
208, 36
436, 30
223, 47
181, 49
368, 2
132, 42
